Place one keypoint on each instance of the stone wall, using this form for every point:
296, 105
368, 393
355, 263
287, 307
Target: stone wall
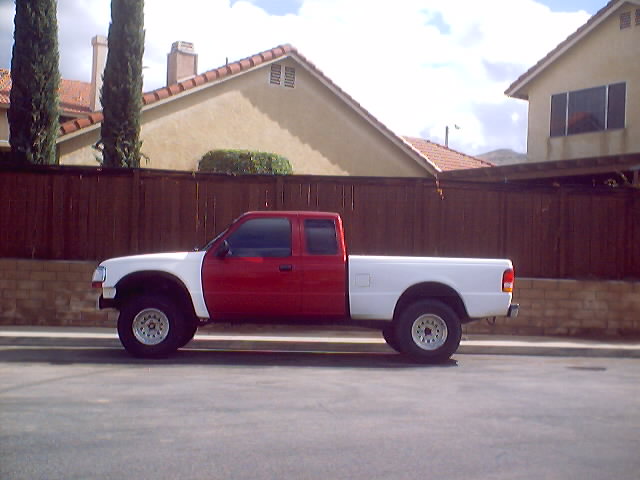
47, 292
570, 308
39, 292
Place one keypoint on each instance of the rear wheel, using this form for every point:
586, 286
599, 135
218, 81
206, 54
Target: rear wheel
428, 331
150, 326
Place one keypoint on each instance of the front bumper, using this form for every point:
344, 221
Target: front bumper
514, 309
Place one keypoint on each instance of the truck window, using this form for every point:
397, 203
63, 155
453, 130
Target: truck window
320, 237
261, 237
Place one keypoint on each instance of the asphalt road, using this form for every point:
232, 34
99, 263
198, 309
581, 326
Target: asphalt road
85, 413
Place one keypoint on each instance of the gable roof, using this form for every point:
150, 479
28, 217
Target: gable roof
73, 94
518, 88
231, 70
445, 158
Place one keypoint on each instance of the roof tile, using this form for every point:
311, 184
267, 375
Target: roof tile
73, 94
445, 158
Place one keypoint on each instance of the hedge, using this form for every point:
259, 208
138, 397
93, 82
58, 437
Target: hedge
244, 162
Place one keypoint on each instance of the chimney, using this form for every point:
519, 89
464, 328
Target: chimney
182, 62
99, 44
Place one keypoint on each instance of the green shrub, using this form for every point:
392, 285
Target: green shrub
244, 162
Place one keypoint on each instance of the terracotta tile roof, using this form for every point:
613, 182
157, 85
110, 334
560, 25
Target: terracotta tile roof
172, 90
515, 88
445, 158
231, 69
74, 95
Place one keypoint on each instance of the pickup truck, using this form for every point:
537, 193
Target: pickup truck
285, 267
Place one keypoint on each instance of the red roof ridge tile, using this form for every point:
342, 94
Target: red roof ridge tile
229, 69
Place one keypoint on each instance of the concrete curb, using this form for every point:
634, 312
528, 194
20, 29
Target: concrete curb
297, 339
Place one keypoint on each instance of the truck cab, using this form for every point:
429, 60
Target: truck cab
277, 264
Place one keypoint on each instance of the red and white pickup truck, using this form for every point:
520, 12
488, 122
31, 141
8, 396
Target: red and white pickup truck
288, 267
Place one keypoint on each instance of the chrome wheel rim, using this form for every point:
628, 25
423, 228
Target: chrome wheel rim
429, 332
150, 326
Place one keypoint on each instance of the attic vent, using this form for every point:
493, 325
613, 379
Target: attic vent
289, 77
275, 75
625, 20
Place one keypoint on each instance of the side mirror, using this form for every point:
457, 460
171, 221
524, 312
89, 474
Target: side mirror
223, 250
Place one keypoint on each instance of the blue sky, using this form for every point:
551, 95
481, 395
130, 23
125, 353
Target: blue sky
416, 65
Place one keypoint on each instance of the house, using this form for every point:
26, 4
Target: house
275, 101
584, 95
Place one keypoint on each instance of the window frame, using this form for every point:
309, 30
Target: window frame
566, 105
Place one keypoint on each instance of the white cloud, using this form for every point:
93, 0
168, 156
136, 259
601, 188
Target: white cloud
417, 65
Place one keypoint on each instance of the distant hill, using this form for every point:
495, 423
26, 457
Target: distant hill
503, 156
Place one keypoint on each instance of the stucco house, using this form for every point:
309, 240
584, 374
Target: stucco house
584, 95
276, 101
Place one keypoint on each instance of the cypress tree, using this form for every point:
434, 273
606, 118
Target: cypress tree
33, 109
121, 94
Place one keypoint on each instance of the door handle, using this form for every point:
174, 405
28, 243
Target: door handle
285, 268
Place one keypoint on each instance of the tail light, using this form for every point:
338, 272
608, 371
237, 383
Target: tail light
99, 276
508, 279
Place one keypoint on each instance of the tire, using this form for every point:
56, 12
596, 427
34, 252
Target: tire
389, 335
189, 333
428, 331
150, 326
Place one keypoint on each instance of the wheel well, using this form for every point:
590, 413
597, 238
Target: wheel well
158, 283
434, 291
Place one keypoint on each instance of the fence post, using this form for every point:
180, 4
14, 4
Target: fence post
279, 192
134, 213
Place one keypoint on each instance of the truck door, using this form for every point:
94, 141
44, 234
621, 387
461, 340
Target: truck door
323, 263
258, 275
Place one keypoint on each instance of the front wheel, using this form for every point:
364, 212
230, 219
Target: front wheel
428, 331
150, 326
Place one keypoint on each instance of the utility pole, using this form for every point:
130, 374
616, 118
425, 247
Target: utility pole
446, 134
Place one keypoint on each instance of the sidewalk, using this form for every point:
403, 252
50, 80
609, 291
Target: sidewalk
339, 339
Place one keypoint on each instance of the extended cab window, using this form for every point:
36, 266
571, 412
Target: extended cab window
320, 237
261, 237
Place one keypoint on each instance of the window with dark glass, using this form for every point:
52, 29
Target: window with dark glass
615, 105
261, 237
589, 110
320, 237
586, 110
559, 115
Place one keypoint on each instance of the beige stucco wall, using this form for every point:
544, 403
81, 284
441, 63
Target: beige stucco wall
319, 133
606, 55
4, 125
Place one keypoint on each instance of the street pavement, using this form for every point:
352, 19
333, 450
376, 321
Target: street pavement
311, 339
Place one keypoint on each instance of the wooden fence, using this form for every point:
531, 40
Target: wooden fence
76, 213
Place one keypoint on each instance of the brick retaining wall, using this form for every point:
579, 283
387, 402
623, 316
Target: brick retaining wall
46, 292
